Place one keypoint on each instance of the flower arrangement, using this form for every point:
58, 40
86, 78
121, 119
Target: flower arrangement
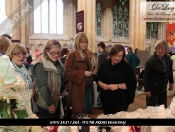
14, 97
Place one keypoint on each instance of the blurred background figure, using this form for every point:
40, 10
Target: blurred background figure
28, 60
8, 36
64, 52
4, 45
103, 56
136, 50
37, 53
132, 58
103, 53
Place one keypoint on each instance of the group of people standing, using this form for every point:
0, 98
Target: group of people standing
115, 76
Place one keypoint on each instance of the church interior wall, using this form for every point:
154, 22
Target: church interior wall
31, 40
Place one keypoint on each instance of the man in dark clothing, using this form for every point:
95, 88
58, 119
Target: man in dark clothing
101, 58
132, 58
103, 53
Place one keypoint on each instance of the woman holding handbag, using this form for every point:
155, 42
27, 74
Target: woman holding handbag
49, 75
78, 67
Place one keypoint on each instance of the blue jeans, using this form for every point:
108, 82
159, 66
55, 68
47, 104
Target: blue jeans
88, 100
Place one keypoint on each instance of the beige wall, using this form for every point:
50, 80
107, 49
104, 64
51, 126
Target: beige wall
137, 29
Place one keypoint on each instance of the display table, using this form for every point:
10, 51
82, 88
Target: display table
95, 94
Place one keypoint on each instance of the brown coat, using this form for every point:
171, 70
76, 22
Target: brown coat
78, 78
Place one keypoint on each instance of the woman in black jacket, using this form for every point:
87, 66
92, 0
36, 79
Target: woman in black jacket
117, 82
158, 71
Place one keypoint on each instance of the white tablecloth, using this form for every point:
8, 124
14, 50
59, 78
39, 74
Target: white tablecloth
95, 94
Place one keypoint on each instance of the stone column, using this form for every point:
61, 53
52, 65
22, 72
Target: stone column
25, 26
137, 28
137, 22
89, 7
142, 31
69, 19
8, 7
17, 31
108, 24
131, 25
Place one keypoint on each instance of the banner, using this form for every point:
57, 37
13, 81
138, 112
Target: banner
88, 122
80, 21
170, 33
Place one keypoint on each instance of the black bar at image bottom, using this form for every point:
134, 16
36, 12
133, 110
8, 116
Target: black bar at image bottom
87, 122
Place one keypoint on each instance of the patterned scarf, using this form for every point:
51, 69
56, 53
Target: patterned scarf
22, 71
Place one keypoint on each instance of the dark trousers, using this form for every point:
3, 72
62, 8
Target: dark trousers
157, 99
46, 115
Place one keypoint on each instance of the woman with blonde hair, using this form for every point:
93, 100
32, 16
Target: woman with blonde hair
49, 75
17, 55
78, 70
4, 45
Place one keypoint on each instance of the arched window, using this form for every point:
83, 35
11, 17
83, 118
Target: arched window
121, 18
48, 17
98, 15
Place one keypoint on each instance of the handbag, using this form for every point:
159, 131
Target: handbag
66, 94
89, 81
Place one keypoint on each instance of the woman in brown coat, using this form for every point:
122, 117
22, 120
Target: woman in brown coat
78, 70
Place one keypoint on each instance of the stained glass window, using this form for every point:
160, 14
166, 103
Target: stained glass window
152, 27
98, 15
152, 30
121, 18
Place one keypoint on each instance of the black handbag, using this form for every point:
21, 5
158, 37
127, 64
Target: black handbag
89, 81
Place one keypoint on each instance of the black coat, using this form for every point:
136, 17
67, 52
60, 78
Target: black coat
118, 99
156, 75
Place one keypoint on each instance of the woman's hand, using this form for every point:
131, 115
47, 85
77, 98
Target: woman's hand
103, 85
88, 73
148, 94
51, 109
112, 87
170, 87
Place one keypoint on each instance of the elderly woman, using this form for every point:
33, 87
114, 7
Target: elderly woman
4, 44
17, 54
49, 75
158, 71
117, 82
78, 71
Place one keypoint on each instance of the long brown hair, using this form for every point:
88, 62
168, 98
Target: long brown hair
4, 44
79, 38
116, 49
